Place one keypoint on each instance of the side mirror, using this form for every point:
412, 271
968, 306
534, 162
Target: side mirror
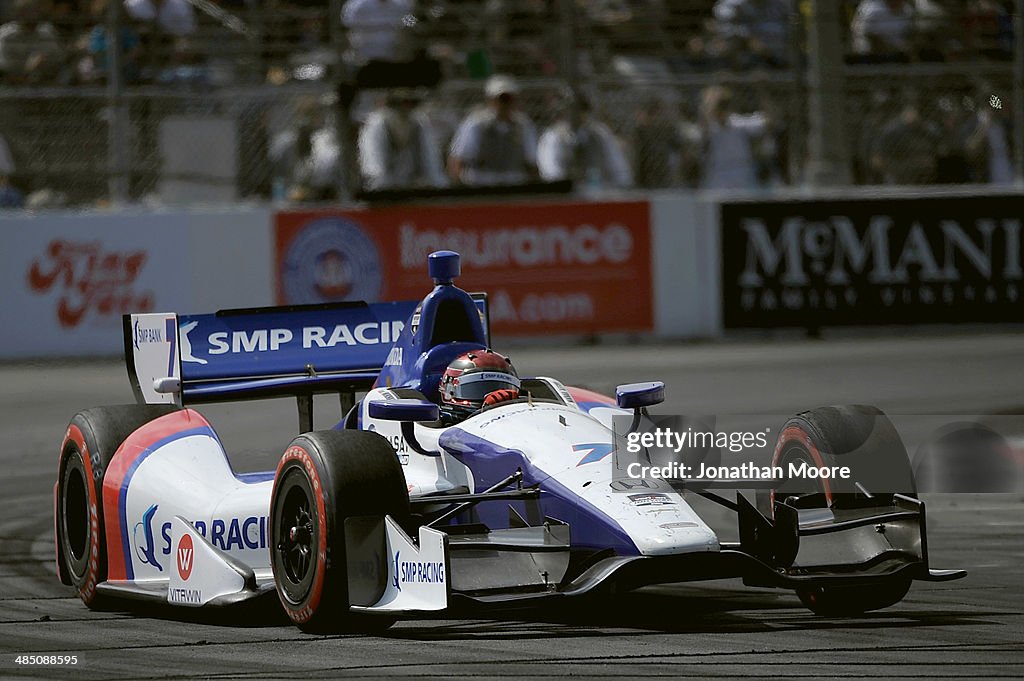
640, 395
404, 410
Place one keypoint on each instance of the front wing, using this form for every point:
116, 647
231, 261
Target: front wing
391, 573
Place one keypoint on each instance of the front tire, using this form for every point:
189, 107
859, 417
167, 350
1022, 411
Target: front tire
846, 601
323, 478
859, 436
92, 438
863, 438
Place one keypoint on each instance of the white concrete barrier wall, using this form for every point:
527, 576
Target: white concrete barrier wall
685, 262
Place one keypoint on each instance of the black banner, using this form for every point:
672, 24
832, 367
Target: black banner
879, 261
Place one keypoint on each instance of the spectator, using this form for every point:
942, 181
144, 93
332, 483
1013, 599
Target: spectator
10, 196
496, 144
518, 35
184, 66
690, 138
67, 18
694, 56
397, 147
987, 146
936, 37
951, 164
904, 152
761, 27
443, 120
93, 65
163, 25
581, 148
882, 30
375, 29
729, 142
305, 158
385, 44
173, 17
988, 29
30, 52
879, 108
656, 146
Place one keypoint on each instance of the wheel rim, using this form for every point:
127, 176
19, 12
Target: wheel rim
796, 453
75, 516
296, 532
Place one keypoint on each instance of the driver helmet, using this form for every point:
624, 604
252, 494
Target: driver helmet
475, 379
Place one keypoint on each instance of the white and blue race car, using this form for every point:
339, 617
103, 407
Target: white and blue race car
394, 511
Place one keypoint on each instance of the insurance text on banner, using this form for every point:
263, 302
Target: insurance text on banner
548, 268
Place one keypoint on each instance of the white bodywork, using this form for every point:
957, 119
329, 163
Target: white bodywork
225, 516
191, 477
553, 437
199, 573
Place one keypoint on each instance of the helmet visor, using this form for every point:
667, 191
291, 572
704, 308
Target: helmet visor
478, 385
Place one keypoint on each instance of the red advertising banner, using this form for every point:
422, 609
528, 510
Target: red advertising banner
548, 268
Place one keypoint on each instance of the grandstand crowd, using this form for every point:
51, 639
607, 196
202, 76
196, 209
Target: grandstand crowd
541, 117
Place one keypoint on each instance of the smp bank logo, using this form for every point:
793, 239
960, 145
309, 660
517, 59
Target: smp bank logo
330, 259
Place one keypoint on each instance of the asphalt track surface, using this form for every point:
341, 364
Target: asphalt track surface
973, 628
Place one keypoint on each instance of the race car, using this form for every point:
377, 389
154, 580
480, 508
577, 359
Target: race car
396, 511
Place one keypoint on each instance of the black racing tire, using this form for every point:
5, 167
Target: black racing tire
863, 438
846, 601
323, 478
89, 444
859, 436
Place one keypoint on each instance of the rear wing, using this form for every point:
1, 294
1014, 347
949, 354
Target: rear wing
264, 352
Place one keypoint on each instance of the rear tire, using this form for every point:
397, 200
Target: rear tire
323, 478
89, 444
863, 438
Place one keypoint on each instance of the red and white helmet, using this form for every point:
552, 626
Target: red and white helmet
475, 378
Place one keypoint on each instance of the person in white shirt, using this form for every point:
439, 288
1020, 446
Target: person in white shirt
496, 144
988, 147
729, 161
583, 149
375, 28
397, 147
882, 27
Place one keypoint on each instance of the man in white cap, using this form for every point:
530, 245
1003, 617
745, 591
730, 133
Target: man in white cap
496, 144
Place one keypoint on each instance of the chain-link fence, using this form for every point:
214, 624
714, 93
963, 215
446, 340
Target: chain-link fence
224, 101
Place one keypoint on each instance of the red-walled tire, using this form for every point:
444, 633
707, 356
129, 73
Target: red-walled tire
863, 438
89, 444
860, 436
323, 478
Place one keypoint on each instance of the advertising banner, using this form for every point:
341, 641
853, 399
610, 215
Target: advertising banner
68, 279
879, 261
548, 268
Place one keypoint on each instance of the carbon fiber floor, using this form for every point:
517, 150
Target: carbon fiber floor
968, 629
